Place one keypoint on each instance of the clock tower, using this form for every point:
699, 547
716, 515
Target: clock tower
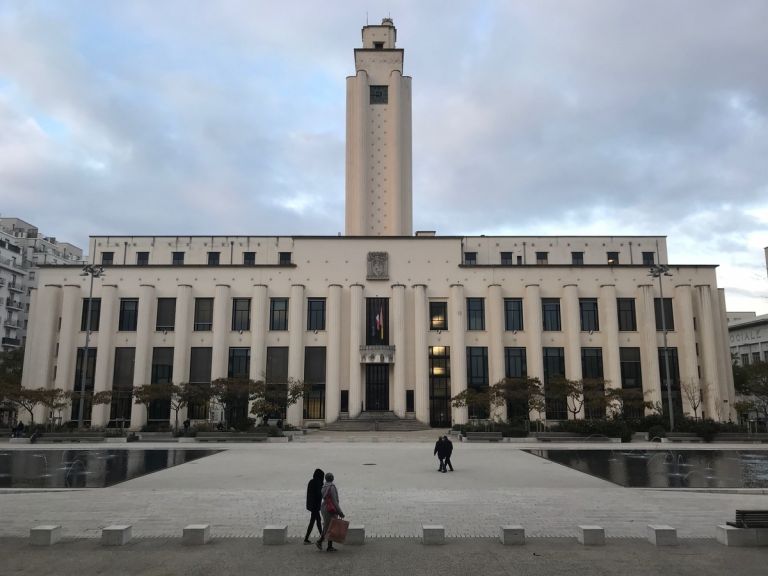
378, 162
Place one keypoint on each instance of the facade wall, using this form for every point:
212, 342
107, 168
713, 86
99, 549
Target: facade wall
748, 341
420, 271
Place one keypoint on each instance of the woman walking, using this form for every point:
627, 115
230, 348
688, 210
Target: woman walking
329, 509
314, 499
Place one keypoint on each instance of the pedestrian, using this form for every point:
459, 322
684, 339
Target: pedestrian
440, 451
329, 509
314, 499
448, 447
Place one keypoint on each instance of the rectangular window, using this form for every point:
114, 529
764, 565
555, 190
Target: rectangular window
667, 319
166, 314
203, 315
577, 258
438, 315
95, 313
515, 367
249, 258
477, 377
515, 363
595, 404
589, 315
129, 314
513, 314
315, 313
239, 365
199, 375
162, 366
122, 387
627, 317
475, 314
550, 314
107, 258
506, 258
755, 357
592, 363
648, 259
745, 359
177, 258
554, 369
241, 314
470, 258
276, 378
613, 258
631, 368
90, 370
377, 320
542, 258
379, 94
314, 378
674, 382
213, 258
278, 314
440, 385
285, 259
142, 258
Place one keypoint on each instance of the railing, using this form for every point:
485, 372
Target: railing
13, 304
378, 354
11, 341
10, 263
15, 287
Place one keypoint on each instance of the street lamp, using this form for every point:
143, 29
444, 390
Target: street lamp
657, 271
94, 272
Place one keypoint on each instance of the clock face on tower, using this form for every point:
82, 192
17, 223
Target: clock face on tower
379, 94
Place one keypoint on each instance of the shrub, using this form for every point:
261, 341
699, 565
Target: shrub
656, 432
609, 428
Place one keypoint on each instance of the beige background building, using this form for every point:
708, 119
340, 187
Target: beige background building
379, 319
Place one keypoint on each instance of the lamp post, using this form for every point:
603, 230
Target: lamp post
657, 271
94, 272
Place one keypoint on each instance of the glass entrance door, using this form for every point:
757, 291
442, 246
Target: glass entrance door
376, 387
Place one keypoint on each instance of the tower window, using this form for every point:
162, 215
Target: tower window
378, 45
379, 95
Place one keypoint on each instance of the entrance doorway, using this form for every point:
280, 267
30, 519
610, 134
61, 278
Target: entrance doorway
376, 387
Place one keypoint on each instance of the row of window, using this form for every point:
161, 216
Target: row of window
755, 359
177, 258
542, 258
438, 311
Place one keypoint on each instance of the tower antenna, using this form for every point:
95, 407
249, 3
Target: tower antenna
366, 17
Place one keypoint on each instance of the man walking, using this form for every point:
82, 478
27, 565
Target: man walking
440, 451
448, 449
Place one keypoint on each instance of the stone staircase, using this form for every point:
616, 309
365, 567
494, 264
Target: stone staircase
376, 421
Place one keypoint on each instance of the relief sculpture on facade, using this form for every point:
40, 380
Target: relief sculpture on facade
378, 266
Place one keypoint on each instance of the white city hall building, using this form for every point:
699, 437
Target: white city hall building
380, 319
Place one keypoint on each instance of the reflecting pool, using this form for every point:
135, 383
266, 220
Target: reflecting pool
86, 468
668, 468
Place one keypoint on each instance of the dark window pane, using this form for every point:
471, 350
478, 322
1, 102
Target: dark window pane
77, 385
475, 314
277, 378
506, 258
470, 258
213, 258
648, 259
589, 315
550, 314
239, 363
122, 387
477, 377
613, 258
667, 318
438, 315
203, 314
142, 258
439, 385
542, 257
199, 374
166, 314
316, 314
285, 258
95, 313
249, 258
241, 314
377, 320
379, 94
314, 376
177, 259
129, 313
278, 314
107, 258
674, 382
627, 316
577, 258
554, 368
513, 314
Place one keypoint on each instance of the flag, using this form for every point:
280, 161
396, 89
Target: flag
380, 320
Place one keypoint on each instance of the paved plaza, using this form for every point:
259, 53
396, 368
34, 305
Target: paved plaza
392, 487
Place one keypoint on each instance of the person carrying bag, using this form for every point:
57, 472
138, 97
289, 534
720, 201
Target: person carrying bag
334, 530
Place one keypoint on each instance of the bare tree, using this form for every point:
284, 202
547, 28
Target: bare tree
693, 394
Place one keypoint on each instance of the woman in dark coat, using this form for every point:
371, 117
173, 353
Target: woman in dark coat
314, 499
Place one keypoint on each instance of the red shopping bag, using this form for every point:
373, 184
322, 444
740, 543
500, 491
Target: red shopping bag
337, 530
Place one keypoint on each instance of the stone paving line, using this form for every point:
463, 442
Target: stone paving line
391, 487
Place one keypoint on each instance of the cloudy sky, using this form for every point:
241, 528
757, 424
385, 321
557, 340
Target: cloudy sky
553, 116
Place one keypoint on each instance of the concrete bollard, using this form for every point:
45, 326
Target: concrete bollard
591, 535
45, 535
733, 536
662, 535
432, 534
511, 535
274, 535
196, 534
116, 535
355, 535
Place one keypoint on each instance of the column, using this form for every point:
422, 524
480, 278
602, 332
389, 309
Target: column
724, 356
398, 330
686, 346
395, 139
142, 371
609, 327
533, 329
295, 412
572, 327
407, 158
649, 347
355, 340
71, 308
182, 331
421, 352
41, 337
458, 350
715, 404
333, 354
106, 352
221, 326
496, 369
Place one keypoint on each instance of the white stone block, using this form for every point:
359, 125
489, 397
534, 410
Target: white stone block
45, 535
116, 535
662, 535
732, 536
274, 535
196, 534
511, 535
355, 534
20, 440
591, 535
432, 534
